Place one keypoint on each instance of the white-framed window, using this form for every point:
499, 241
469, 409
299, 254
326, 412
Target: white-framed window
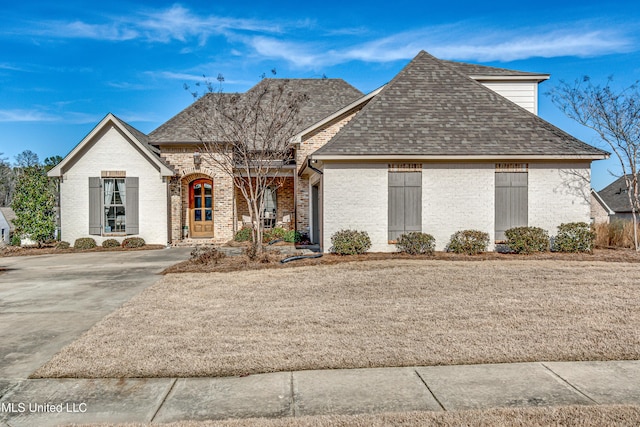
113, 205
114, 196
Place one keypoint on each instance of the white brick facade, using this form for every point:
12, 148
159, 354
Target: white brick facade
74, 189
355, 197
558, 193
455, 196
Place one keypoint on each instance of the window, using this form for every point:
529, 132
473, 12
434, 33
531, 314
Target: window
405, 200
511, 197
270, 207
270, 200
113, 205
115, 194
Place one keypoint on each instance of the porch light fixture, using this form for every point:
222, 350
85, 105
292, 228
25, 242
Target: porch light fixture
197, 159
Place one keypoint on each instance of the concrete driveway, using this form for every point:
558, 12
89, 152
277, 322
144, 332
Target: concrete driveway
48, 301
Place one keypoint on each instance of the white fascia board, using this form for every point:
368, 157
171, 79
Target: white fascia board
602, 202
297, 138
532, 78
386, 157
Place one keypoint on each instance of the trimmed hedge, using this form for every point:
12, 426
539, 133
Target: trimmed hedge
84, 243
111, 243
470, 242
527, 240
415, 243
350, 242
574, 237
63, 245
133, 242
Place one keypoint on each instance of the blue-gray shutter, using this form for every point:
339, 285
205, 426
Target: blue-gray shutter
131, 206
405, 203
412, 201
511, 209
95, 206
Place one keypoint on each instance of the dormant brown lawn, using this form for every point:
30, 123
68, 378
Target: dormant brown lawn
364, 314
583, 416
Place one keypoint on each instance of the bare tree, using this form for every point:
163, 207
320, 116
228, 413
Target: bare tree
7, 182
615, 117
247, 137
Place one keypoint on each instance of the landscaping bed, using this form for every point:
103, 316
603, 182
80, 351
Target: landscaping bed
240, 263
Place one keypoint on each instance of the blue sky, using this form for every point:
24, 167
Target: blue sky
63, 66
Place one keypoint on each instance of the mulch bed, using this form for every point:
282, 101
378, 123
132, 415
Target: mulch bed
272, 260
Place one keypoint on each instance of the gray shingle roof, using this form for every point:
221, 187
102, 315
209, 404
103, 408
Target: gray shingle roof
325, 96
615, 195
483, 70
144, 140
431, 108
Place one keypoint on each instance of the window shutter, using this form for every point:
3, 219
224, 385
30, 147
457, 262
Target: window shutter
131, 206
396, 205
405, 203
412, 201
511, 199
95, 206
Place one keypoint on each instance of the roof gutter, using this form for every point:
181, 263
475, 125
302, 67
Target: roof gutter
312, 167
492, 157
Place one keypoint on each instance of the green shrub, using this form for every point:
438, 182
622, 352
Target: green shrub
63, 245
243, 235
470, 242
350, 242
276, 233
133, 242
84, 243
527, 240
292, 236
206, 255
110, 243
416, 243
15, 240
574, 237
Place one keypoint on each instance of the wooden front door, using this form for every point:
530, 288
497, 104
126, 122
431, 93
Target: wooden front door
201, 208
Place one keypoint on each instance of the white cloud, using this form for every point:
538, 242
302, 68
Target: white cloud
161, 26
43, 116
457, 42
21, 115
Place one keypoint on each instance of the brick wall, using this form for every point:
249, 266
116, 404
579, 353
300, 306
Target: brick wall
284, 199
558, 193
111, 151
455, 196
310, 144
181, 158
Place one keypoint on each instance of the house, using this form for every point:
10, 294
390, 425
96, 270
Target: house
611, 203
7, 215
442, 147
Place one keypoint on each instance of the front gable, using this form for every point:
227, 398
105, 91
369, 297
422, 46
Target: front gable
109, 144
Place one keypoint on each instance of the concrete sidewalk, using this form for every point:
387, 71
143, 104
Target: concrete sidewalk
291, 394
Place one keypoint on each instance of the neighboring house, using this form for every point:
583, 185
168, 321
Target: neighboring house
7, 215
611, 203
444, 146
